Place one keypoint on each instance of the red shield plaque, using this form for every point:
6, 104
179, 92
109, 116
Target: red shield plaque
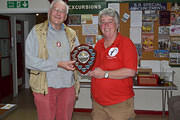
84, 55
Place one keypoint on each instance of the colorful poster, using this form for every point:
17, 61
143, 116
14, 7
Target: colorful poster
164, 30
163, 42
148, 42
147, 27
150, 15
175, 18
175, 30
175, 44
161, 53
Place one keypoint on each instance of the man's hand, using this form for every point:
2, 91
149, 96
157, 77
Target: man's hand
67, 65
97, 73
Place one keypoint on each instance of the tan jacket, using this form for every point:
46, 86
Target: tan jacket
38, 81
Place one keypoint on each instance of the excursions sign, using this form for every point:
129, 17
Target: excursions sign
86, 7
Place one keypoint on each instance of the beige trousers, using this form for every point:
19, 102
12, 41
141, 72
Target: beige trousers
121, 111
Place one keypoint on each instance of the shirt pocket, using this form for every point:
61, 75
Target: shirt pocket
112, 63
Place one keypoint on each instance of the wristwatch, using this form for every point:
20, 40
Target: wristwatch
106, 75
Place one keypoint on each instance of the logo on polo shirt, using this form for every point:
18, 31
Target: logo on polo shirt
113, 51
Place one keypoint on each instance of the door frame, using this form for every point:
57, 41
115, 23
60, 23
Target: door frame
14, 55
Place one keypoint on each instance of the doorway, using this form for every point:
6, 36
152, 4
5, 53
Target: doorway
6, 81
18, 27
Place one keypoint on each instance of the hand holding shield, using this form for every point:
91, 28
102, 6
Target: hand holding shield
84, 55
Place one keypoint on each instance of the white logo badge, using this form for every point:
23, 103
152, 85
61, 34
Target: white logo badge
113, 51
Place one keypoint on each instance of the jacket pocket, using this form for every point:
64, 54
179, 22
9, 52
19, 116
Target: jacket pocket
35, 80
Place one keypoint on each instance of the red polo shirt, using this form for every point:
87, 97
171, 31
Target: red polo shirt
121, 54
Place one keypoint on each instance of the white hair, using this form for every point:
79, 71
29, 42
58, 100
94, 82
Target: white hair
60, 1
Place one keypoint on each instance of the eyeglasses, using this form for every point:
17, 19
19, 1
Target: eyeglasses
107, 23
57, 10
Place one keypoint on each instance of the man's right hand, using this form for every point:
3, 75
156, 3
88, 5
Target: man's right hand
67, 65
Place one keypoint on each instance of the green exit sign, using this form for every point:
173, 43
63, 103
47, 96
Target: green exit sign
17, 4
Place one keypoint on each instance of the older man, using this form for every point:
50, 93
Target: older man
52, 75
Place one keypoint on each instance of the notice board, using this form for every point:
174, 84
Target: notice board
82, 32
124, 30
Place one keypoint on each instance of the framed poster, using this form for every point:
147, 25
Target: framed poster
148, 42
148, 27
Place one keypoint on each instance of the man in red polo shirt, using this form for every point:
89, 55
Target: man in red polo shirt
113, 71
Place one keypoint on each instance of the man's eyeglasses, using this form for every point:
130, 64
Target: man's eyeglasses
57, 10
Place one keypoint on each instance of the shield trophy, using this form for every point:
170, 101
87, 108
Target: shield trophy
84, 55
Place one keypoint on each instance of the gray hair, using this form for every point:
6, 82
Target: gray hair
60, 1
110, 12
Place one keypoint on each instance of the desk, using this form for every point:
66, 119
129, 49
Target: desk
166, 91
5, 112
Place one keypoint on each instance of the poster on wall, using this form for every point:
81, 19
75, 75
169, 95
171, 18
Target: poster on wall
161, 53
175, 30
74, 19
164, 18
175, 44
150, 15
148, 42
175, 6
115, 6
163, 38
148, 27
164, 30
135, 34
90, 29
86, 17
163, 42
89, 40
136, 18
175, 18
125, 17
